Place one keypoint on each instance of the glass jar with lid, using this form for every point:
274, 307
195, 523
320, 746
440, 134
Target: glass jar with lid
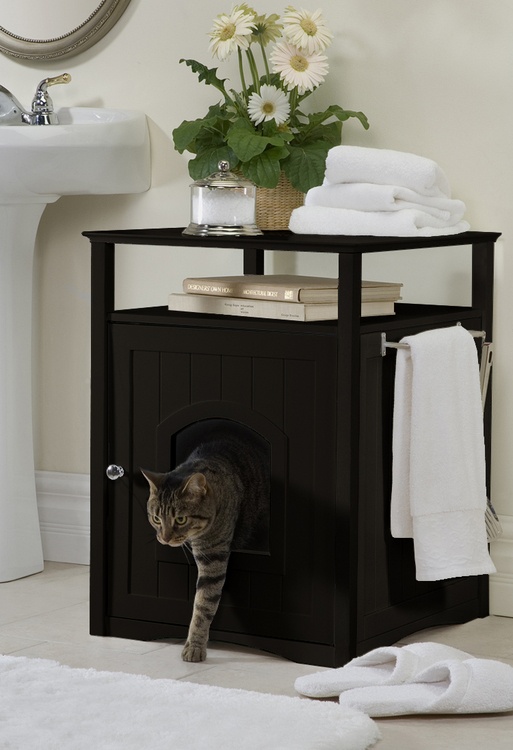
223, 204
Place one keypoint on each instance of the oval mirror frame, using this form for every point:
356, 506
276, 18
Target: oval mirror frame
78, 39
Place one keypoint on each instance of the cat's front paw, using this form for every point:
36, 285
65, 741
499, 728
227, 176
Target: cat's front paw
194, 652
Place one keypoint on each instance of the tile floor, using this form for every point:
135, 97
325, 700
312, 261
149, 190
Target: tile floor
46, 616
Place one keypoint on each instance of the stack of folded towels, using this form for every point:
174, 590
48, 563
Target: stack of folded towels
369, 191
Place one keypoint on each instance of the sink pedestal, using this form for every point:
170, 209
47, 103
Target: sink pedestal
20, 538
92, 151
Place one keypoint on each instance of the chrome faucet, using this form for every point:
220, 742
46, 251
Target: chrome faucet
12, 113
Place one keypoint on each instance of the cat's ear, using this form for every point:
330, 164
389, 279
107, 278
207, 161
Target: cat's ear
154, 479
196, 485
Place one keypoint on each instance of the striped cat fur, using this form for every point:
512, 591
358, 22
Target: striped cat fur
215, 501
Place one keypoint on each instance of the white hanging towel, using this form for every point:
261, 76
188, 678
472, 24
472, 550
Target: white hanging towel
438, 469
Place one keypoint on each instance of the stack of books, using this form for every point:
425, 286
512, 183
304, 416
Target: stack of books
302, 298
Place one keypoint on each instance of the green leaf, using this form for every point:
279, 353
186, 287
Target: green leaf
209, 75
310, 129
264, 170
196, 135
271, 130
193, 135
247, 143
306, 165
206, 163
345, 114
186, 133
331, 133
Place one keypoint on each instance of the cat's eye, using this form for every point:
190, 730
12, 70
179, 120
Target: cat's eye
156, 520
181, 520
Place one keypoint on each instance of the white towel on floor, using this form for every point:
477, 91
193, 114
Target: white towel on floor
386, 167
345, 221
438, 471
365, 196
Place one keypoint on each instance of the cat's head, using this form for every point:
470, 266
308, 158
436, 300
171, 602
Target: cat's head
178, 508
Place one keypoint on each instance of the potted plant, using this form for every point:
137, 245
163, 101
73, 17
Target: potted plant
262, 129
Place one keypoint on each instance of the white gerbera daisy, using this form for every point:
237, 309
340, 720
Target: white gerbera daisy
267, 29
297, 68
231, 32
270, 104
306, 30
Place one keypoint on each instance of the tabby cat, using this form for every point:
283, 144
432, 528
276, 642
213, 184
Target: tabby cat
215, 501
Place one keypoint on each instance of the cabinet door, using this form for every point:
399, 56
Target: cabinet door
282, 387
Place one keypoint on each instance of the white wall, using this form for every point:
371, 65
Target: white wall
434, 77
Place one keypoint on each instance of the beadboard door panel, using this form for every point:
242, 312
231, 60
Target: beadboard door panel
167, 382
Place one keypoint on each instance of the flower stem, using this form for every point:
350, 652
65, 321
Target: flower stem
293, 101
241, 72
254, 70
266, 64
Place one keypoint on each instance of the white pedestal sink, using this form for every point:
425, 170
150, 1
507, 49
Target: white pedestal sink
91, 151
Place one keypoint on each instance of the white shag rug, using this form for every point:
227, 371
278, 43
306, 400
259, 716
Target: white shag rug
44, 706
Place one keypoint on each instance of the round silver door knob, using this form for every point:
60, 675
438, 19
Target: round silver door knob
114, 471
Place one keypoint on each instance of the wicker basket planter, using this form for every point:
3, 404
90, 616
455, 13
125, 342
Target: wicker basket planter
274, 205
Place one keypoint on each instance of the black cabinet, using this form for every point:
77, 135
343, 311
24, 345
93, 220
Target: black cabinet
330, 582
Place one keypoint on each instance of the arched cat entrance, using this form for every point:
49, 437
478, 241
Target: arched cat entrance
181, 432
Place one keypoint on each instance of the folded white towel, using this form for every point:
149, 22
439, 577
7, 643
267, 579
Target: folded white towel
386, 167
438, 469
365, 196
406, 223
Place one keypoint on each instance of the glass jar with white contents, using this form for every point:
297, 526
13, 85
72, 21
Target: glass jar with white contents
223, 204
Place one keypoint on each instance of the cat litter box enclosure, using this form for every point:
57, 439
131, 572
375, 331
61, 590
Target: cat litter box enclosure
331, 583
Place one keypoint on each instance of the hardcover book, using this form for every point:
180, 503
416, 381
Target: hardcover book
286, 288
267, 308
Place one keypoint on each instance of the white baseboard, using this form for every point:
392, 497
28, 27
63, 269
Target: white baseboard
501, 583
63, 505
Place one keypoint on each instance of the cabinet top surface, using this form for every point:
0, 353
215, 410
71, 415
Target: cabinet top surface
286, 240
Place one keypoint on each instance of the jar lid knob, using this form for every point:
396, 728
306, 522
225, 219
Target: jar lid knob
224, 166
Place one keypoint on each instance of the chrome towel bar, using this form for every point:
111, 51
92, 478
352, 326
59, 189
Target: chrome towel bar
397, 345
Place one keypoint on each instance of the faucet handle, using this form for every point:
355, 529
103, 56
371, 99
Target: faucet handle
42, 105
41, 98
63, 78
